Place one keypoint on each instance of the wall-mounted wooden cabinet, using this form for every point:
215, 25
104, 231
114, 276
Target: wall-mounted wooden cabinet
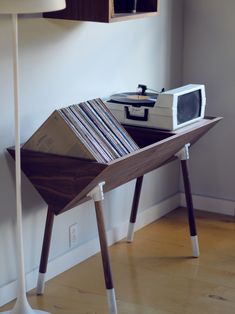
105, 11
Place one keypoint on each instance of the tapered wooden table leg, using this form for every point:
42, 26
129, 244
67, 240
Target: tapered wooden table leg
134, 209
45, 251
183, 155
97, 196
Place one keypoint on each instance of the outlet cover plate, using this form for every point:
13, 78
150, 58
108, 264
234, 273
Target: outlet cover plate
73, 235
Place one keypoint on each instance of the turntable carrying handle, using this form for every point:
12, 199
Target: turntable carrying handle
137, 118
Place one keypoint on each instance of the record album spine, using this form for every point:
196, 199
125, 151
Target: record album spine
103, 130
81, 136
92, 135
129, 142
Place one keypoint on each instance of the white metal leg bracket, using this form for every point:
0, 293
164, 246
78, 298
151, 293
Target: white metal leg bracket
183, 154
97, 194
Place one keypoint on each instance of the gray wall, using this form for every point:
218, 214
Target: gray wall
209, 58
64, 62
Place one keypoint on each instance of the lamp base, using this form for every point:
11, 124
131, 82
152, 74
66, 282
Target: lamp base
13, 311
23, 307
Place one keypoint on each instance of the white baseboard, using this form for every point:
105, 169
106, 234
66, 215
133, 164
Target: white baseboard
81, 253
210, 204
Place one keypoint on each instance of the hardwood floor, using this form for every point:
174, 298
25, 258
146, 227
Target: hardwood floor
156, 273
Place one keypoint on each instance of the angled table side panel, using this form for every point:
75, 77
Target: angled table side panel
136, 164
58, 179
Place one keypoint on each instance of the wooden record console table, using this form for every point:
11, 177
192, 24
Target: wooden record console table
65, 182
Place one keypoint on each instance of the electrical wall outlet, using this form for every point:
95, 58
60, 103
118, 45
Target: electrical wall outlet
73, 235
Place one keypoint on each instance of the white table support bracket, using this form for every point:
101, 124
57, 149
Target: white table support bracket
183, 154
97, 194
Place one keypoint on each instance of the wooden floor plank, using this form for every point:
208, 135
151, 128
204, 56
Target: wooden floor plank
155, 274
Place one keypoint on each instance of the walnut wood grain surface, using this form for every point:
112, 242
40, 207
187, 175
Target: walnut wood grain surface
58, 179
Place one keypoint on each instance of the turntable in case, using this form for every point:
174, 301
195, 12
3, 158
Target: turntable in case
168, 110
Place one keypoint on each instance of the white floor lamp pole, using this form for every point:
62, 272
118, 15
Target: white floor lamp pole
14, 7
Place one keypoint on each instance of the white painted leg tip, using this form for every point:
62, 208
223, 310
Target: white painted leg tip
130, 233
195, 246
112, 301
41, 283
130, 238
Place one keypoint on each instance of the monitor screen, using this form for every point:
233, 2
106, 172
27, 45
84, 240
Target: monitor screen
189, 106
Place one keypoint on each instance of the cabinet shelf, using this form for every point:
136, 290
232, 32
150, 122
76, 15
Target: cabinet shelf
103, 11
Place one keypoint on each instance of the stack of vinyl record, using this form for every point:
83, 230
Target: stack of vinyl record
86, 130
